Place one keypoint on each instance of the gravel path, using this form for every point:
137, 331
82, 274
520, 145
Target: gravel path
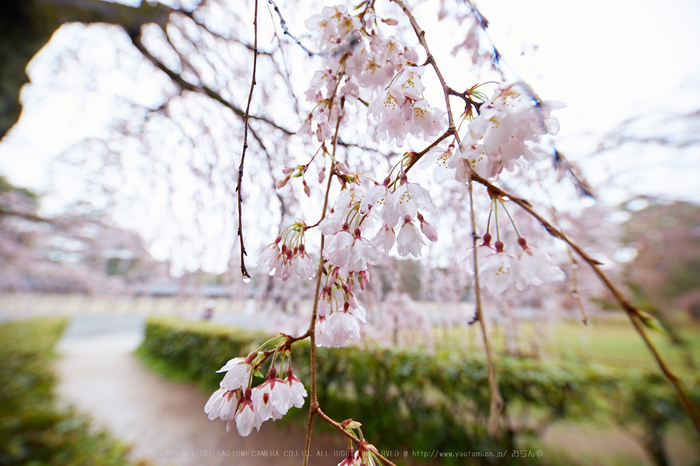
162, 420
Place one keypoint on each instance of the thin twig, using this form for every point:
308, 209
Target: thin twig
311, 332
497, 404
244, 271
574, 291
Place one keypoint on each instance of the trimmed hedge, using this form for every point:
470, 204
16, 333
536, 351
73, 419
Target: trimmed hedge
33, 430
407, 399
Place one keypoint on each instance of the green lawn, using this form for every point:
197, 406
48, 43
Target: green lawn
611, 340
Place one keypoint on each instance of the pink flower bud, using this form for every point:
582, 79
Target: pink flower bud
287, 170
363, 278
322, 176
249, 359
429, 231
281, 183
390, 21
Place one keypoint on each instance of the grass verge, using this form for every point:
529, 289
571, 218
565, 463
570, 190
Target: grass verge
33, 429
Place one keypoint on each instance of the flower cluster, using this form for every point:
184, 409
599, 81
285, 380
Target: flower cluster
505, 133
357, 56
349, 252
401, 109
499, 270
365, 453
339, 312
289, 257
397, 207
236, 403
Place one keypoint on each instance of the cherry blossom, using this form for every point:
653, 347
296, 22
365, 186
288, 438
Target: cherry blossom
409, 240
499, 270
290, 257
297, 392
272, 398
427, 229
482, 250
334, 331
505, 131
338, 248
536, 267
351, 458
441, 159
238, 372
406, 201
246, 416
384, 239
222, 404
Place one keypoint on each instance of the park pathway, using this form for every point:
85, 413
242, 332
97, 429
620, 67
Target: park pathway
163, 421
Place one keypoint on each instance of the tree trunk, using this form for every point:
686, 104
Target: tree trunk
27, 25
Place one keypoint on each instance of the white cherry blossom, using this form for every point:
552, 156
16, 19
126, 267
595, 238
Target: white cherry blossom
536, 267
238, 372
384, 239
222, 404
406, 201
297, 392
499, 271
441, 159
409, 240
246, 417
343, 325
338, 248
504, 133
272, 397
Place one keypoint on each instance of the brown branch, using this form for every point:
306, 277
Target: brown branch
635, 315
466, 96
91, 11
13, 213
313, 403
